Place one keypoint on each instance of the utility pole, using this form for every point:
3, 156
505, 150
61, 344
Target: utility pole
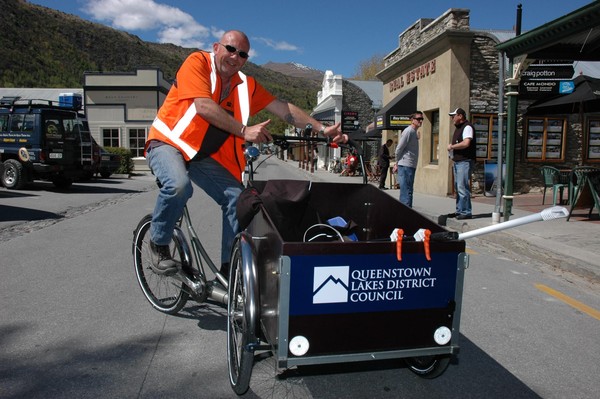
512, 93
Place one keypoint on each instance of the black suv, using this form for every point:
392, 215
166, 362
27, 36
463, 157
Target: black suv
41, 140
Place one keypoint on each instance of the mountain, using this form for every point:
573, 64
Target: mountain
296, 70
46, 48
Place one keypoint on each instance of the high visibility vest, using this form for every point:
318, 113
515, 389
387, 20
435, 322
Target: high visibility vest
186, 130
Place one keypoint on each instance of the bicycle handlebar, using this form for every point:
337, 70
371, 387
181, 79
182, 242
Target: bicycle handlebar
283, 142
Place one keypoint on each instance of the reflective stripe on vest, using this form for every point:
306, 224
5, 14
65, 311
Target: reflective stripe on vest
175, 134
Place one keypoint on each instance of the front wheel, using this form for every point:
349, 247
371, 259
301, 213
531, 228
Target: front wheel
242, 310
165, 293
428, 366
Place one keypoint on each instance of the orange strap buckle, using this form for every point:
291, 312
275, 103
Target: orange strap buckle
426, 242
399, 245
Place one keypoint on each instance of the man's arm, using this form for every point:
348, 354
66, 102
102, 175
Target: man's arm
402, 143
217, 116
297, 117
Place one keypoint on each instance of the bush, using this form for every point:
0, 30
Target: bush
126, 166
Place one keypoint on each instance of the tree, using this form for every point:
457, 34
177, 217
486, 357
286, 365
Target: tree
368, 69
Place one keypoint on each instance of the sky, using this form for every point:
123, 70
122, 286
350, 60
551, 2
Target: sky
334, 35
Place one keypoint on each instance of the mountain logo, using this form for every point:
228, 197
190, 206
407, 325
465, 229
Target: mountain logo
330, 284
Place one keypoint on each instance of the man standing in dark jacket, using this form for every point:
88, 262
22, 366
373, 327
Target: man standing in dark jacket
384, 163
462, 152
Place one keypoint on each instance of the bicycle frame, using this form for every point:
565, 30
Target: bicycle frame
202, 289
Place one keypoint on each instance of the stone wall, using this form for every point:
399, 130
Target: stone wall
425, 29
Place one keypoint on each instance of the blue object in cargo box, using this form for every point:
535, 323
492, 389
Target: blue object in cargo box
70, 100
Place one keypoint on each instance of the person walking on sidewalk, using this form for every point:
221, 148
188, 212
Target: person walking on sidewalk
384, 163
407, 157
462, 151
198, 136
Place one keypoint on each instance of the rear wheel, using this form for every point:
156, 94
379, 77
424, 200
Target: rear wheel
164, 293
241, 317
14, 174
428, 366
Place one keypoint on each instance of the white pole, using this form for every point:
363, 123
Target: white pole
555, 212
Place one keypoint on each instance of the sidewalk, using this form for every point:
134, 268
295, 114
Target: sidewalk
567, 246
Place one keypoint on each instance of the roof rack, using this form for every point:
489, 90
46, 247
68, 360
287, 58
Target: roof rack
10, 102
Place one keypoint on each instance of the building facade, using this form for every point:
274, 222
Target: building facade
449, 65
120, 107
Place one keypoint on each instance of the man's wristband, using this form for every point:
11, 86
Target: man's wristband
322, 129
243, 131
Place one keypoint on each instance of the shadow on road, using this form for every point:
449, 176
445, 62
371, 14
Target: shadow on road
10, 213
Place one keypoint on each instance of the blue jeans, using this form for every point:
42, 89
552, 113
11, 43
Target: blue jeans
462, 174
406, 181
170, 169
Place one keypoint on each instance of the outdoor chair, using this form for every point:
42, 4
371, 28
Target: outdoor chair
576, 179
552, 179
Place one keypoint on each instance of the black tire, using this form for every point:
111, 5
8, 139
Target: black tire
164, 293
242, 311
105, 174
428, 366
14, 174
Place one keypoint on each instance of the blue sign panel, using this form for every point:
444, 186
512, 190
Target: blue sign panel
566, 86
330, 284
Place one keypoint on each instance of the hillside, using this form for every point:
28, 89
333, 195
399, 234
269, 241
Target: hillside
296, 70
42, 47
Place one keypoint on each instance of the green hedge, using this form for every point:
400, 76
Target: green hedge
126, 159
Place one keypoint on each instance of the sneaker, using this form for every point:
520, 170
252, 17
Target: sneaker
162, 261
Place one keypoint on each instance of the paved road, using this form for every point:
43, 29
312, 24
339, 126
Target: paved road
74, 324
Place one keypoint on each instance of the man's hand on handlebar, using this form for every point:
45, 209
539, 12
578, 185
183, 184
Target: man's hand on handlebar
335, 132
258, 133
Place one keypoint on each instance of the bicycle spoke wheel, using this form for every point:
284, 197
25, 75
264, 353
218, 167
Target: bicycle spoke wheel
241, 322
428, 366
164, 293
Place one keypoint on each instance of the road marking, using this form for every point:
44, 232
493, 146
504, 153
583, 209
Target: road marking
570, 301
471, 252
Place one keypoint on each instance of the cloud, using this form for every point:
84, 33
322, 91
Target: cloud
282, 46
172, 24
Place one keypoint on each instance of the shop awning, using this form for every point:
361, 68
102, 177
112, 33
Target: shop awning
361, 135
585, 98
396, 114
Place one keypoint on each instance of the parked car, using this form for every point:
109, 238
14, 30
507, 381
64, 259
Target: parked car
109, 163
104, 163
42, 141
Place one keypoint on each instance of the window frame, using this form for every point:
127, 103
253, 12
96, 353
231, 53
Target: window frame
589, 135
137, 151
491, 135
111, 136
542, 137
434, 148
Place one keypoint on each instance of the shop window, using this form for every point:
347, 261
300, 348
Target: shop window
593, 140
435, 138
486, 136
137, 140
110, 137
545, 139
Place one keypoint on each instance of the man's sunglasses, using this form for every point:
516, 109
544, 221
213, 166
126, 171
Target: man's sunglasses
232, 50
419, 119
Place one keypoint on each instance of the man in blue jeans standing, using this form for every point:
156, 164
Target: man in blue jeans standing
462, 152
407, 156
